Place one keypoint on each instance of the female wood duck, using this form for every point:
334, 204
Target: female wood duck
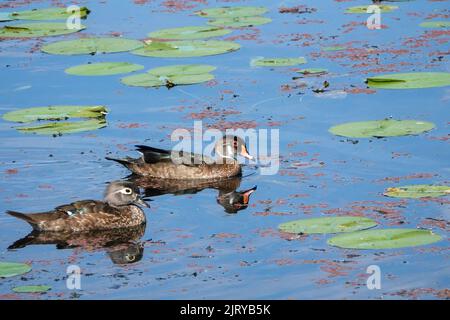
164, 164
118, 210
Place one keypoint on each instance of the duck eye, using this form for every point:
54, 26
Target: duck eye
127, 191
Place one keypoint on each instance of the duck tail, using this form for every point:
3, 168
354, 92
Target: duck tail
25, 217
125, 162
22, 243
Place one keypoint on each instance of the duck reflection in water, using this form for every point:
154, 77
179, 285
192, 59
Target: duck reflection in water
228, 196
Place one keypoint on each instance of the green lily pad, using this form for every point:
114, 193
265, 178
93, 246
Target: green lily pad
64, 127
92, 46
239, 22
327, 225
313, 71
435, 24
31, 289
363, 9
418, 191
226, 12
412, 80
182, 69
188, 33
277, 62
11, 269
381, 128
37, 29
103, 68
150, 80
186, 48
48, 14
55, 113
384, 239
334, 48
5, 16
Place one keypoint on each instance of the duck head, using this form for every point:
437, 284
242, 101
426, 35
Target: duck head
229, 147
123, 193
235, 201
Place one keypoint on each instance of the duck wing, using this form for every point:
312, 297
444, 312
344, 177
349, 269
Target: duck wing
63, 212
154, 155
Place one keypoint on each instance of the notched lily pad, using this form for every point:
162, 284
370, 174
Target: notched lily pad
276, 62
435, 24
333, 48
103, 68
327, 225
313, 71
363, 9
150, 80
11, 269
224, 12
418, 191
64, 127
381, 128
182, 69
31, 289
187, 33
48, 14
239, 22
412, 80
55, 113
36, 29
185, 48
384, 239
92, 46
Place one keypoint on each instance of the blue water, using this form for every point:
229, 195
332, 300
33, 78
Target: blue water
192, 247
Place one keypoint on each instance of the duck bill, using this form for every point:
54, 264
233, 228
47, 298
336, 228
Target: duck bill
245, 154
141, 202
246, 195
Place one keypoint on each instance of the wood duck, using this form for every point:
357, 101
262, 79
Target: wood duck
164, 164
229, 197
120, 209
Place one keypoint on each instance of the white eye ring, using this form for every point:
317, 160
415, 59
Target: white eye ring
127, 191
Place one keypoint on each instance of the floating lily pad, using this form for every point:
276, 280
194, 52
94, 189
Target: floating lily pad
187, 33
5, 16
103, 68
182, 69
418, 191
11, 269
412, 80
150, 80
239, 22
384, 239
92, 46
48, 14
313, 71
381, 128
64, 127
31, 289
226, 12
277, 62
334, 48
435, 24
327, 225
55, 113
192, 48
363, 9
37, 29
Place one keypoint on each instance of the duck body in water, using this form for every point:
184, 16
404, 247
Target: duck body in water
120, 209
165, 164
